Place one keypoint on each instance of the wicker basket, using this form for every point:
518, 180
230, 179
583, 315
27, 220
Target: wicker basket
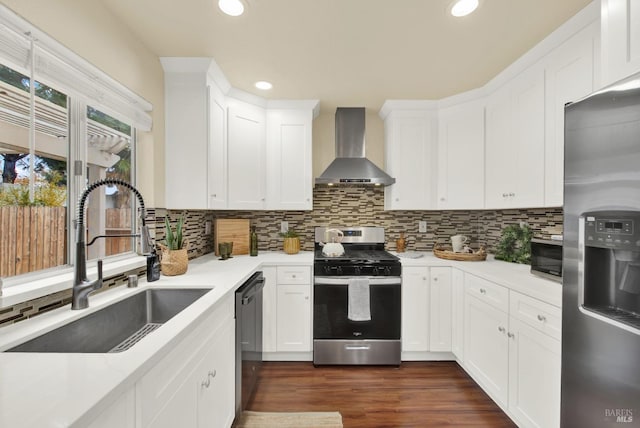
291, 245
446, 253
173, 262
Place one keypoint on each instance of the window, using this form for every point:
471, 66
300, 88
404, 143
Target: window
73, 126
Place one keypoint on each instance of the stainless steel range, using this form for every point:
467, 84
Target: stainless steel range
357, 298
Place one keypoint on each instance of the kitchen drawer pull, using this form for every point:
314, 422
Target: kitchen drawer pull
542, 318
357, 348
207, 382
511, 335
501, 329
483, 291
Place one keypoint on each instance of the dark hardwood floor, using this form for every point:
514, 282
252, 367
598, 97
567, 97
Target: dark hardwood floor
418, 394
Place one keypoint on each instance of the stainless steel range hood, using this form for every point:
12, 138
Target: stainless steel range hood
351, 167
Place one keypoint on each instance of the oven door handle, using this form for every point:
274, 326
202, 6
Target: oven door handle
373, 280
252, 291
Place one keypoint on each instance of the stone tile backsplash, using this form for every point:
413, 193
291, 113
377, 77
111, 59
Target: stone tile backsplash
339, 207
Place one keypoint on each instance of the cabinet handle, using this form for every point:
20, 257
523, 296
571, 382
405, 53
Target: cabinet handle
483, 291
501, 329
435, 279
511, 335
542, 318
214, 195
504, 195
207, 382
512, 194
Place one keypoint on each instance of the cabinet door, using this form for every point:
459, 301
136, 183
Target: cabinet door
461, 157
620, 26
186, 141
214, 381
121, 414
440, 310
534, 376
486, 349
500, 153
569, 77
289, 165
180, 410
410, 144
528, 139
457, 313
415, 314
246, 153
294, 318
269, 310
217, 172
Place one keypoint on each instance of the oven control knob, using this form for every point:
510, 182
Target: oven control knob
327, 269
339, 270
387, 270
375, 271
357, 270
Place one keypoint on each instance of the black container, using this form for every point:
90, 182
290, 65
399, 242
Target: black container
153, 267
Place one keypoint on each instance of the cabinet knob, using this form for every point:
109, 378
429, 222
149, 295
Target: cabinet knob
483, 291
293, 276
511, 335
435, 279
504, 195
443, 199
397, 199
262, 199
512, 194
424, 278
214, 195
542, 318
306, 297
207, 382
501, 329
308, 200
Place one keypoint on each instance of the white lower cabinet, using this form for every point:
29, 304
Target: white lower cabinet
121, 414
512, 349
415, 314
193, 385
440, 309
287, 332
534, 376
426, 311
457, 313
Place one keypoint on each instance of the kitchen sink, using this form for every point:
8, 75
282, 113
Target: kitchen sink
118, 326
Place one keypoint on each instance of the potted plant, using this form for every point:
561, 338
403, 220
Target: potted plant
291, 241
174, 258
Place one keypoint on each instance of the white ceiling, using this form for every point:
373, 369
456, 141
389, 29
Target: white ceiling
348, 52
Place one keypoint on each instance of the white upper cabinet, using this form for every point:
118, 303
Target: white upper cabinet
620, 29
515, 142
186, 134
410, 156
246, 156
461, 156
570, 75
289, 162
217, 172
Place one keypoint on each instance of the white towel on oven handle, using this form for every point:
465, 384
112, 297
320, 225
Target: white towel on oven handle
359, 301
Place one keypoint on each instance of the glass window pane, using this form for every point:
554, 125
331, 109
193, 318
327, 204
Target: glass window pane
109, 208
34, 224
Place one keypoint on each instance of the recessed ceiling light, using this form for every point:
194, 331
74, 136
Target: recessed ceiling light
265, 86
463, 7
231, 7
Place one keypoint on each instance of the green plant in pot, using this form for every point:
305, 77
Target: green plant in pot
291, 243
515, 244
174, 259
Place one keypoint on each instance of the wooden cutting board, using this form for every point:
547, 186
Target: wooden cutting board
232, 230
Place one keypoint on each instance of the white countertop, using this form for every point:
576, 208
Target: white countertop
60, 390
514, 276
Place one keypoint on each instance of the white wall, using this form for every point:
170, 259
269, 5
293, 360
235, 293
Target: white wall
88, 29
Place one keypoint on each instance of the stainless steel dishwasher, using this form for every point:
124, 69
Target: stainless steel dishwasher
248, 338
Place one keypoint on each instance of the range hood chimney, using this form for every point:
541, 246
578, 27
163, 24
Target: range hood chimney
351, 167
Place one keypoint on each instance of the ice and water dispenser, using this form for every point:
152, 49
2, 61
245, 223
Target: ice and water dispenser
610, 285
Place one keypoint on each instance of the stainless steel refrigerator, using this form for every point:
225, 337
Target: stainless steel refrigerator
601, 260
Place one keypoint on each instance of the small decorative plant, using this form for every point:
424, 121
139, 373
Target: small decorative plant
291, 243
174, 260
174, 240
515, 244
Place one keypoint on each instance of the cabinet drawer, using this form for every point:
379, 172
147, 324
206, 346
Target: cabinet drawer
536, 313
488, 292
294, 275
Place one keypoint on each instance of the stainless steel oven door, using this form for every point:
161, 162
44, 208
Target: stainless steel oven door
330, 309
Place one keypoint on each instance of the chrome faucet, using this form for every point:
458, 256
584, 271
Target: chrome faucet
82, 287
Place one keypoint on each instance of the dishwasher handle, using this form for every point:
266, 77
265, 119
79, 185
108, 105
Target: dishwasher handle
255, 288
